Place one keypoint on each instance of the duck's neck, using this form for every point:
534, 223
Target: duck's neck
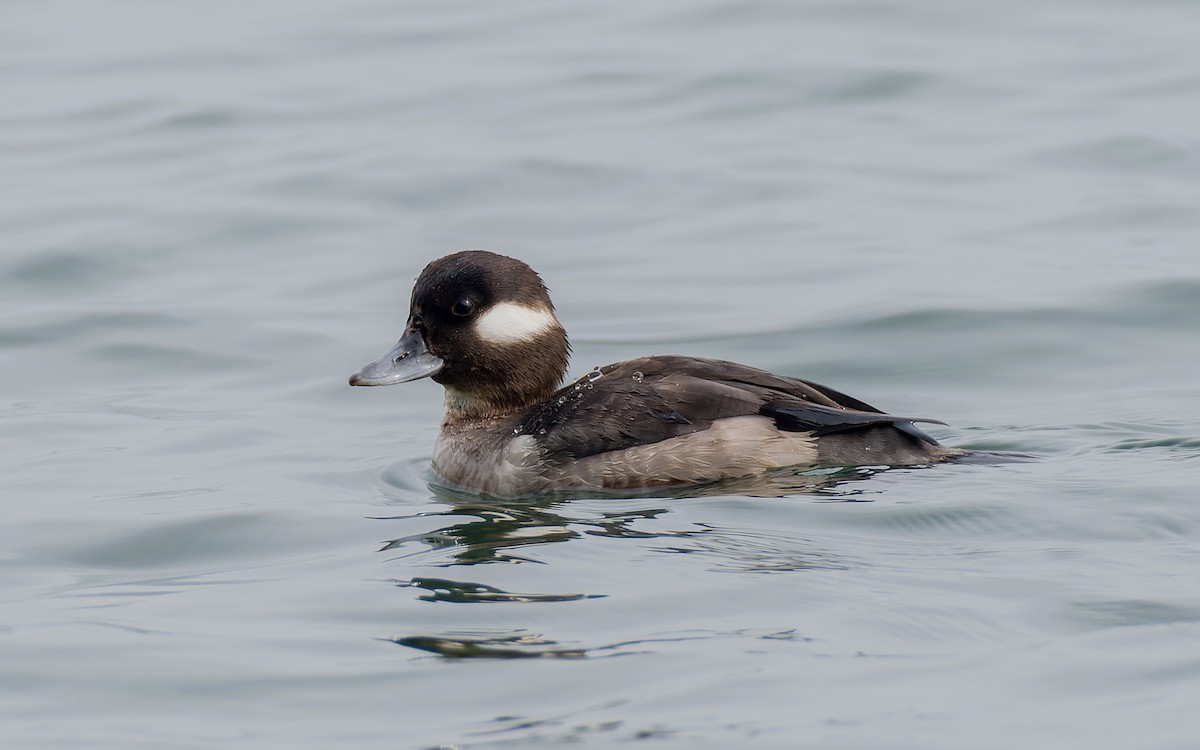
502, 381
467, 406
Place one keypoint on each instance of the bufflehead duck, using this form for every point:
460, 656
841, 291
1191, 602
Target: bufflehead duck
483, 326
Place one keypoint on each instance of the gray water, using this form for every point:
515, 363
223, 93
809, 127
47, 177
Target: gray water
211, 213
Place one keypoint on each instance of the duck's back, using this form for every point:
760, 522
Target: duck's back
682, 420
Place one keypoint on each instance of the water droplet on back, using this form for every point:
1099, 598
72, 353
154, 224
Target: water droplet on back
638, 376
594, 375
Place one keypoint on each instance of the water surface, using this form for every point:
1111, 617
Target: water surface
213, 213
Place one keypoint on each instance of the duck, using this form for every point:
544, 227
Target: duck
482, 325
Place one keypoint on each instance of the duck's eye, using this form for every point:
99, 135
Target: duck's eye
463, 308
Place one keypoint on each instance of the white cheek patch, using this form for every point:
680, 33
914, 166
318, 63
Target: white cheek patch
509, 323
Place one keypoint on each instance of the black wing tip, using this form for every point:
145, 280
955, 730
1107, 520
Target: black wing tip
908, 428
824, 420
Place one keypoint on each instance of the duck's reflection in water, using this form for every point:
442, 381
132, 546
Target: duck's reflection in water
488, 530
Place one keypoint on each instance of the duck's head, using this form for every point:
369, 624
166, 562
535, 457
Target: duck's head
483, 326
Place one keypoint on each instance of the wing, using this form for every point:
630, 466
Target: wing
619, 409
825, 420
648, 400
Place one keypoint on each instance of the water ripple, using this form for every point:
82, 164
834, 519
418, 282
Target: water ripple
518, 644
465, 592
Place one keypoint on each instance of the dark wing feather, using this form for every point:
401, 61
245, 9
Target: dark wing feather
904, 425
610, 413
648, 400
841, 399
824, 420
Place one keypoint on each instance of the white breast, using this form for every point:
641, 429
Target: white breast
469, 460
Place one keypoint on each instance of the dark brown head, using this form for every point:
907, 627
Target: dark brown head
483, 326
